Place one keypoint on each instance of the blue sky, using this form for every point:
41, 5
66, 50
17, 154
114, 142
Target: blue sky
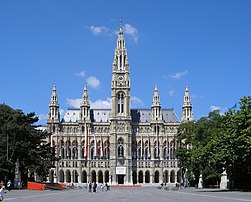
205, 44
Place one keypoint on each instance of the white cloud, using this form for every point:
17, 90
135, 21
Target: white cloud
171, 93
178, 75
81, 73
135, 101
42, 117
213, 108
62, 113
101, 104
127, 28
131, 31
73, 103
98, 104
97, 30
93, 82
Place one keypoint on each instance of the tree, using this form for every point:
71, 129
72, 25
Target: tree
198, 134
232, 148
20, 140
219, 142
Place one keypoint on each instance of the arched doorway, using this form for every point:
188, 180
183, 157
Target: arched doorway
61, 176
93, 176
68, 176
100, 176
75, 176
84, 177
134, 177
156, 177
165, 178
147, 177
107, 176
140, 176
172, 176
179, 176
51, 176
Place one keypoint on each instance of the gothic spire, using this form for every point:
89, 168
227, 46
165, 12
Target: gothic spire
156, 101
85, 100
84, 107
53, 114
156, 106
187, 109
54, 97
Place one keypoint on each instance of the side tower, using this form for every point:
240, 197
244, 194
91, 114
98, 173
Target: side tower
84, 115
120, 131
187, 109
156, 124
53, 114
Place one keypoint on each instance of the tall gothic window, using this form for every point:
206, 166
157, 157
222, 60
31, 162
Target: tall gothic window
120, 62
121, 103
120, 147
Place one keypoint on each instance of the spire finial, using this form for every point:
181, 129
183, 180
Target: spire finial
121, 27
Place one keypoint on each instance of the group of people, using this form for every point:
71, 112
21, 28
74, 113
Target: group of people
93, 187
2, 188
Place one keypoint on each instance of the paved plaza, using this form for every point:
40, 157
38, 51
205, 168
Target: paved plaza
128, 194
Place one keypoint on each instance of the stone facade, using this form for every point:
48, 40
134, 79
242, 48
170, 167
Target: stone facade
118, 145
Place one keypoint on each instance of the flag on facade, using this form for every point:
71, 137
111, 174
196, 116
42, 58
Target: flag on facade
95, 146
141, 147
86, 141
149, 149
102, 149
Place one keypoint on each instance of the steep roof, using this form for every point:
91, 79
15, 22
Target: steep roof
138, 115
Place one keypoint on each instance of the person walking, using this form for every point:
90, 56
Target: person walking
94, 186
9, 185
2, 192
90, 186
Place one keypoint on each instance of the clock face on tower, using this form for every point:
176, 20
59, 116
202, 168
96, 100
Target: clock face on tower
121, 78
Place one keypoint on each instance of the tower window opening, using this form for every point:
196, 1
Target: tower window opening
120, 62
120, 103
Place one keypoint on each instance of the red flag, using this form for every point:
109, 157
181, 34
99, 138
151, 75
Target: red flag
86, 141
102, 150
149, 145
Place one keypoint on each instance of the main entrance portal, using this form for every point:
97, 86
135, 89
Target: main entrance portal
120, 179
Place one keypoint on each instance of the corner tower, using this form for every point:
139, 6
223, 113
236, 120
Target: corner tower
187, 109
53, 114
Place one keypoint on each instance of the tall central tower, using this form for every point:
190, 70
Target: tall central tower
120, 80
120, 131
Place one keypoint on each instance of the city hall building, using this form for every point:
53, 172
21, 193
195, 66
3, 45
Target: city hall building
118, 145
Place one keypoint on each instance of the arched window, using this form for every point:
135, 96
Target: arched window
146, 153
107, 150
156, 149
165, 153
121, 100
139, 153
83, 149
120, 147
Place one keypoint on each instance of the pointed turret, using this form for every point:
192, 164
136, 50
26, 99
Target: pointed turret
84, 107
156, 106
187, 109
53, 114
